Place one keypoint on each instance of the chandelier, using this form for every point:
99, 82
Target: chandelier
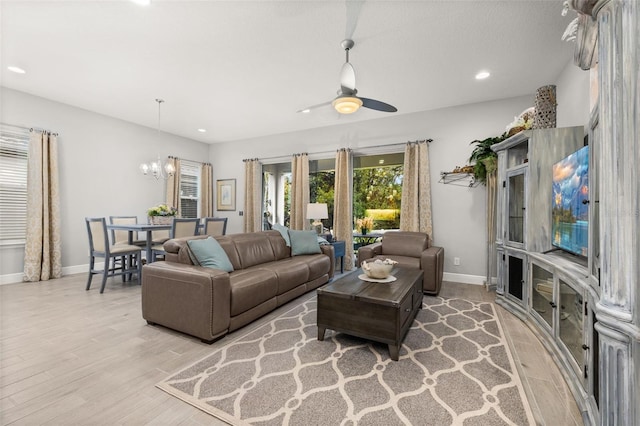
157, 168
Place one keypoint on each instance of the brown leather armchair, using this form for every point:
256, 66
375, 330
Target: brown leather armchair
412, 250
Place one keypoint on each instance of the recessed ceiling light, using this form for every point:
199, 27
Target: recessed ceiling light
16, 70
202, 130
142, 2
482, 75
306, 111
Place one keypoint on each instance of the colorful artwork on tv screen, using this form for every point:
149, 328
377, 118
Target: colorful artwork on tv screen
570, 214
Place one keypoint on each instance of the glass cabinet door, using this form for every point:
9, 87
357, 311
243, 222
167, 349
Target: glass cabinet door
516, 208
516, 273
570, 326
542, 299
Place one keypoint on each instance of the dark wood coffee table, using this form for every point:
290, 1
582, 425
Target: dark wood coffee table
382, 312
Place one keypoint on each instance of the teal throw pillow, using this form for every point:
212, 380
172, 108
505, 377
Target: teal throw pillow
192, 256
304, 242
323, 242
284, 231
210, 254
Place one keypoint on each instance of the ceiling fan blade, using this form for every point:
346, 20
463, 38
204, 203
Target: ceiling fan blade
308, 109
347, 79
353, 8
377, 105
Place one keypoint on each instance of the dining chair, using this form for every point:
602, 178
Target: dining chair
99, 247
119, 236
159, 237
184, 227
215, 226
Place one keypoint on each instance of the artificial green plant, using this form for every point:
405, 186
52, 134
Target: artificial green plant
483, 156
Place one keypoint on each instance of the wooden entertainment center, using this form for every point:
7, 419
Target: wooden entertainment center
548, 289
586, 309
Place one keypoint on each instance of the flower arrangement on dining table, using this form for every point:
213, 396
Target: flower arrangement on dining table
365, 224
161, 214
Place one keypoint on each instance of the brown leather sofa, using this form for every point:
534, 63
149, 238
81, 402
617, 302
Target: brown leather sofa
208, 303
409, 249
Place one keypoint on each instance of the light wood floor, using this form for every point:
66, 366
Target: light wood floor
75, 357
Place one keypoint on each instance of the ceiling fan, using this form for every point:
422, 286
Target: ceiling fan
347, 102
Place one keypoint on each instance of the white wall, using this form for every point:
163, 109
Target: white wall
458, 212
99, 176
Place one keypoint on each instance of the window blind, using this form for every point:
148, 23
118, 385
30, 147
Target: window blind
14, 149
189, 188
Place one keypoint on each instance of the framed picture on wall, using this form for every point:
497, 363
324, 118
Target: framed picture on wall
226, 194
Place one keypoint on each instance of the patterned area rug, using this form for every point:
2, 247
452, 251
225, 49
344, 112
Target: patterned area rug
454, 369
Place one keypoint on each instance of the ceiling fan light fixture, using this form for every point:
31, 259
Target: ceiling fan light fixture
347, 104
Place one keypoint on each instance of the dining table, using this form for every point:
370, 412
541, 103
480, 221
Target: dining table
141, 227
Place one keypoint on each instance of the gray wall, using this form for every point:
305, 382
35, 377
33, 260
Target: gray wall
572, 93
458, 212
99, 158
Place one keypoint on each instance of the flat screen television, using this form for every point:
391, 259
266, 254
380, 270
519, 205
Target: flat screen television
570, 204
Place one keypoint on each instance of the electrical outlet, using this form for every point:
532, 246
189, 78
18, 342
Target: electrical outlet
456, 261
240, 213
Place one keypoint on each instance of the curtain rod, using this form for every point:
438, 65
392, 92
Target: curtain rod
186, 159
329, 152
29, 128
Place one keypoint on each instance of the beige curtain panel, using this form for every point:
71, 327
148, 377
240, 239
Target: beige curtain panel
415, 214
206, 190
299, 191
43, 246
173, 185
343, 206
252, 195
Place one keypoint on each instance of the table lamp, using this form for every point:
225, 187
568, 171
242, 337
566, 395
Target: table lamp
317, 212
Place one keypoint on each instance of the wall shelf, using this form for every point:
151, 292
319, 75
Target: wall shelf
458, 179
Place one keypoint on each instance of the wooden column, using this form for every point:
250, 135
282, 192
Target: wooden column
500, 222
617, 313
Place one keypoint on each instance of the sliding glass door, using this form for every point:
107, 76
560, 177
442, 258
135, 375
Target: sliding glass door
377, 190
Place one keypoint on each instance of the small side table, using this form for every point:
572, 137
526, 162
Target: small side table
338, 249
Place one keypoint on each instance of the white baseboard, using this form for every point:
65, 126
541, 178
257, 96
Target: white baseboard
464, 278
80, 269
11, 278
67, 270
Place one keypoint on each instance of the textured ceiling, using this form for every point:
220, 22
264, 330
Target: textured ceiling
241, 69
